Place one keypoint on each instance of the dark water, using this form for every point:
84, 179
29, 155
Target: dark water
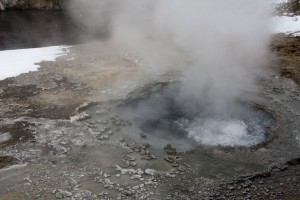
33, 28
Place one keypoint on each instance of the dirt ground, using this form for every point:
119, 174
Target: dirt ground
52, 150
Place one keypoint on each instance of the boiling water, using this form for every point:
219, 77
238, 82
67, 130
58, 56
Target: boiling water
150, 122
160, 116
228, 132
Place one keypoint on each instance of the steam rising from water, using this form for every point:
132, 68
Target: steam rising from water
221, 132
218, 46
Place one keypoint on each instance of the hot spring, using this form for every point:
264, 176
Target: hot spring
157, 118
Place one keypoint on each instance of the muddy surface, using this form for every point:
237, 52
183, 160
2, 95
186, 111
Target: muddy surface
53, 147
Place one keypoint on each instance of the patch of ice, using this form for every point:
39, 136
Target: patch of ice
286, 24
16, 62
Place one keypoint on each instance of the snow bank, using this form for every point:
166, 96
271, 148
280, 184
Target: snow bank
286, 24
279, 1
16, 62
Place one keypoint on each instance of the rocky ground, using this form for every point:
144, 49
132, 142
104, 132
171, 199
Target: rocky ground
60, 139
50, 148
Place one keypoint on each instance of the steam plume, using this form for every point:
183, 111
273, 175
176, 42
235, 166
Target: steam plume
218, 45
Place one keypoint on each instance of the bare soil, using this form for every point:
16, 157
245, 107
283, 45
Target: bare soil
50, 156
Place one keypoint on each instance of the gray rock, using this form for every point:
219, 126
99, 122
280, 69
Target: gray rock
60, 194
108, 181
86, 194
129, 158
71, 183
169, 159
151, 172
170, 150
175, 164
230, 187
136, 187
181, 169
103, 137
136, 176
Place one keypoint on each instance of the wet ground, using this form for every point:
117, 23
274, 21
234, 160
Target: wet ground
53, 147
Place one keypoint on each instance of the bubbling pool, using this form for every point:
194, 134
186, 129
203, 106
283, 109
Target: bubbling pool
158, 119
160, 116
223, 132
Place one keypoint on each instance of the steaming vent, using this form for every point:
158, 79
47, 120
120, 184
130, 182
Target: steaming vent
159, 120
244, 127
218, 48
213, 131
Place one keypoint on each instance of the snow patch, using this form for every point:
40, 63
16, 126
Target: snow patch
279, 1
16, 62
286, 24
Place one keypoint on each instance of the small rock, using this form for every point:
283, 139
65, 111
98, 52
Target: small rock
230, 187
129, 158
170, 150
167, 174
136, 187
175, 164
151, 172
71, 183
143, 152
169, 159
60, 194
103, 137
108, 181
109, 132
136, 176
181, 169
77, 196
86, 194
79, 117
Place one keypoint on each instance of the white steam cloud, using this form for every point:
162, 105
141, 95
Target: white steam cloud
218, 45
